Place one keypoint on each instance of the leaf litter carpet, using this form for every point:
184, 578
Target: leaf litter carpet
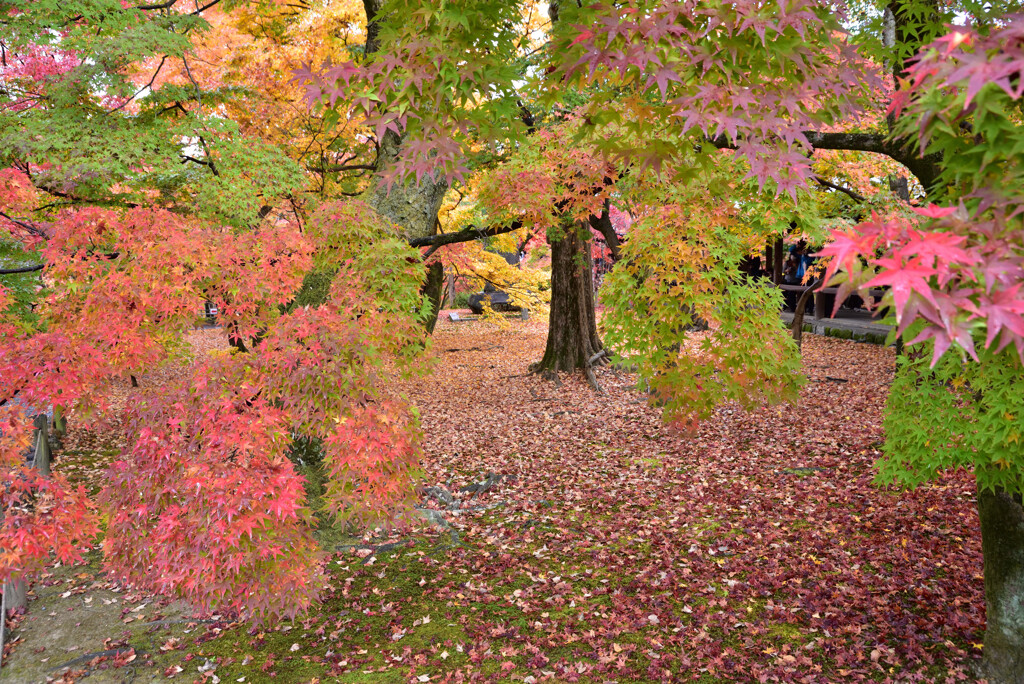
758, 549
573, 537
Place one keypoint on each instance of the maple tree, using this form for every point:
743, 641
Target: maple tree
955, 276
556, 189
136, 235
952, 126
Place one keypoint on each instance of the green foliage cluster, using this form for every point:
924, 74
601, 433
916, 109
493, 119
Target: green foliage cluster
679, 272
956, 415
88, 132
22, 287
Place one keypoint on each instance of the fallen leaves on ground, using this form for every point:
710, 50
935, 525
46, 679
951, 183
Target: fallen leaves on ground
606, 547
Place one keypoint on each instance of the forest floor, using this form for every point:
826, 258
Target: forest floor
610, 549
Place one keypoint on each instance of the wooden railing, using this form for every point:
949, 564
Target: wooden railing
15, 592
824, 299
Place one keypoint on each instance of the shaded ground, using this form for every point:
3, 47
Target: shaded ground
614, 550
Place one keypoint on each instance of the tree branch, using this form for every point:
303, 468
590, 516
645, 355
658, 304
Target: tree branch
926, 168
465, 235
23, 269
336, 168
109, 256
30, 227
148, 85
185, 158
206, 7
159, 6
603, 225
855, 196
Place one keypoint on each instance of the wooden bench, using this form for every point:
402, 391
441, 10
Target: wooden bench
522, 314
824, 299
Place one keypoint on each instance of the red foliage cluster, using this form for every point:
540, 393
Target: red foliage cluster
31, 65
961, 270
956, 275
205, 503
42, 516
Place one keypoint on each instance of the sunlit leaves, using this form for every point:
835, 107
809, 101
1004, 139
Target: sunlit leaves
679, 273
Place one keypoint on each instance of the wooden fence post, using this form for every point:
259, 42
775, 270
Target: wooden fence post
42, 457
15, 596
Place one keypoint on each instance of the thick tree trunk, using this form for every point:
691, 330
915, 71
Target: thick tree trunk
433, 289
411, 205
1002, 544
573, 342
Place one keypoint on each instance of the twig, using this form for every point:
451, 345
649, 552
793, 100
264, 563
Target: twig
139, 92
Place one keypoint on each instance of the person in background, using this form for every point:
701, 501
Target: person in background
803, 260
791, 270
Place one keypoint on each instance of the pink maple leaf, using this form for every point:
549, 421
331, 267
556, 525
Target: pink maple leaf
1003, 312
934, 211
904, 279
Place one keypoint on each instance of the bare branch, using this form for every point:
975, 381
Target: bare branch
855, 196
465, 235
23, 269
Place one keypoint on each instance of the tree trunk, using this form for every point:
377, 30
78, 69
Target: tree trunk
573, 342
777, 258
1002, 545
411, 205
798, 313
432, 289
450, 302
